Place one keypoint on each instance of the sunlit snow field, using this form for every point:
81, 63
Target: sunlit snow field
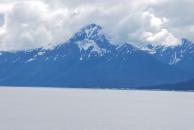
84, 109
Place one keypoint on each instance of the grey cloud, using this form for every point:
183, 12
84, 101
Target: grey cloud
1, 19
37, 23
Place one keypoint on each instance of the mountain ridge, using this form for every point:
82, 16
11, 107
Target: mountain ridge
180, 56
180, 86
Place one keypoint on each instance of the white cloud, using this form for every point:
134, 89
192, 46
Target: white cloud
155, 22
4, 7
37, 23
163, 37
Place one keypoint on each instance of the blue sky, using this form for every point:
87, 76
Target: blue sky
26, 24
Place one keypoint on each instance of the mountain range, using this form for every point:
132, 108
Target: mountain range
88, 59
180, 56
181, 86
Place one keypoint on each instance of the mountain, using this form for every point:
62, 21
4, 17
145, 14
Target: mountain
181, 86
88, 59
180, 56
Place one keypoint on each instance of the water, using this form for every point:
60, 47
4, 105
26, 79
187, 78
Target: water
85, 109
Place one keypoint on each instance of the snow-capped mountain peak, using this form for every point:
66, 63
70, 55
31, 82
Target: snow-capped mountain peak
186, 41
187, 46
152, 49
126, 48
91, 32
91, 41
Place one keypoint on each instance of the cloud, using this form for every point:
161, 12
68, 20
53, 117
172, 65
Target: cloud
163, 37
45, 23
